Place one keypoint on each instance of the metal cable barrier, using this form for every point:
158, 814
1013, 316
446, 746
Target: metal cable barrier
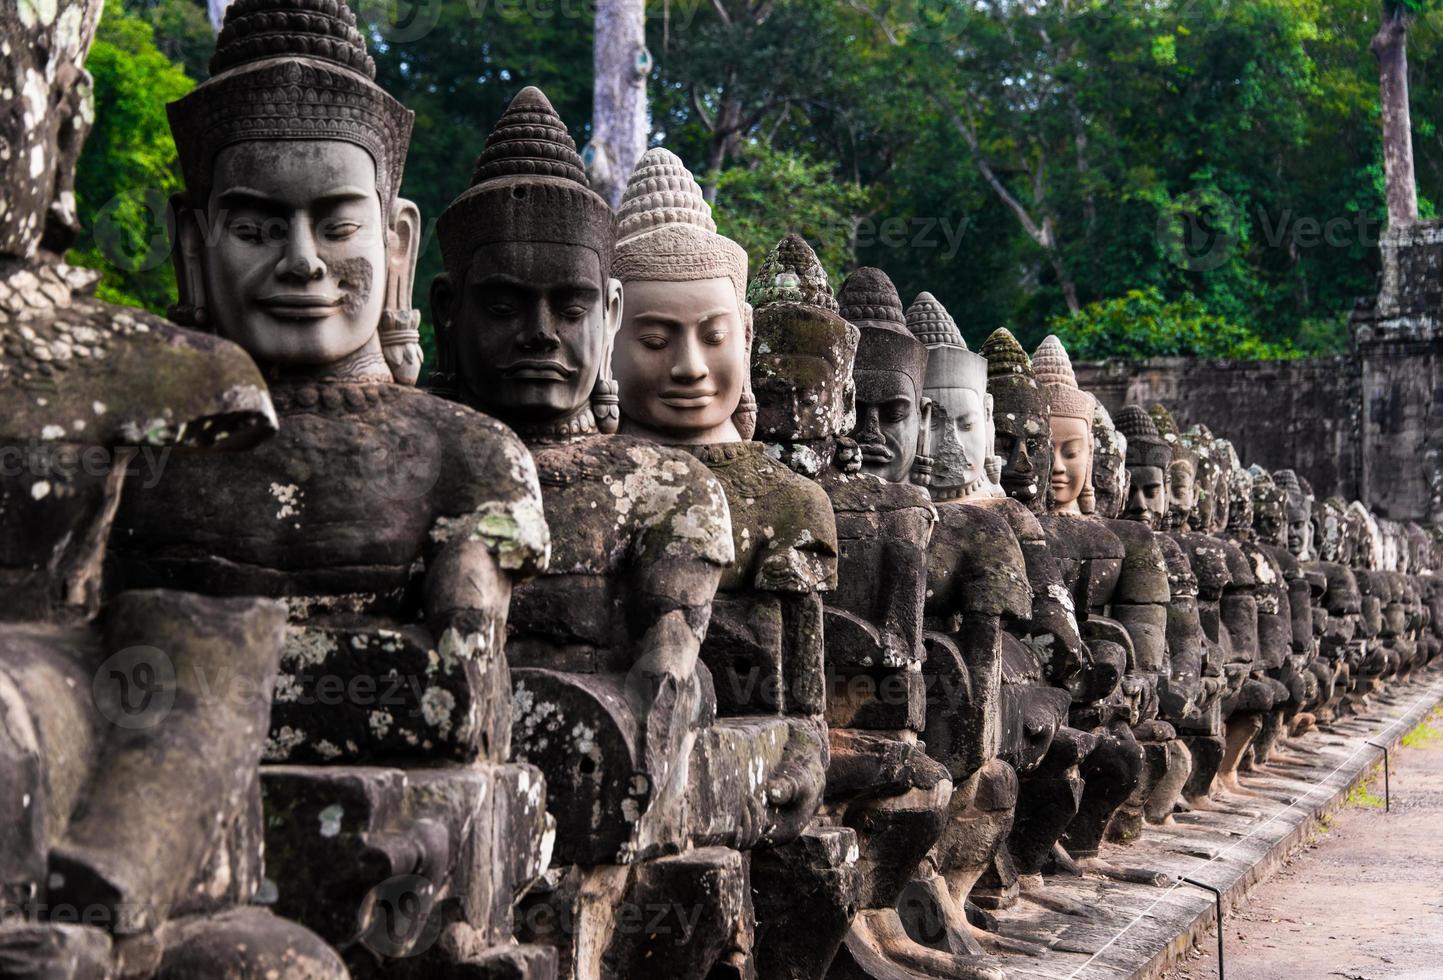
1432, 693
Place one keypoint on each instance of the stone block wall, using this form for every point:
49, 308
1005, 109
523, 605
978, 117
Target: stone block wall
1303, 414
1368, 425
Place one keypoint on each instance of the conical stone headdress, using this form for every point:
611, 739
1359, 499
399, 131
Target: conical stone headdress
665, 231
529, 186
1053, 369
290, 70
869, 301
949, 363
1145, 447
795, 313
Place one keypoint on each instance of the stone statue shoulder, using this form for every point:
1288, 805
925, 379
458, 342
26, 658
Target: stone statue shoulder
783, 530
486, 484
1208, 556
70, 370
868, 493
1286, 561
1144, 569
629, 499
1024, 523
1239, 565
1182, 581
1081, 538
1343, 596
975, 564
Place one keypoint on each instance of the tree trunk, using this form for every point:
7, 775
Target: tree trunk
618, 112
1390, 47
216, 9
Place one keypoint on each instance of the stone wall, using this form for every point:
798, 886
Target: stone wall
1301, 414
1367, 426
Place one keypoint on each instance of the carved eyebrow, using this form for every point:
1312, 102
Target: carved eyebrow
259, 200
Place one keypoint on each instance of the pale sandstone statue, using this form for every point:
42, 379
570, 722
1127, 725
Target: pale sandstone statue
682, 364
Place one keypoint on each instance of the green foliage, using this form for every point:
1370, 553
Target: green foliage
128, 167
1202, 175
773, 192
1145, 324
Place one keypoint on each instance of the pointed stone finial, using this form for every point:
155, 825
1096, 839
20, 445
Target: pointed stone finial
661, 191
1166, 424
1005, 356
324, 30
868, 296
530, 140
1054, 371
792, 273
933, 325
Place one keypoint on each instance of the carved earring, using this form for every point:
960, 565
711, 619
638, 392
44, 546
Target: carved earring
606, 405
921, 474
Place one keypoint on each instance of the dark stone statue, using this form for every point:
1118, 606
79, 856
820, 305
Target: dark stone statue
131, 722
392, 523
610, 697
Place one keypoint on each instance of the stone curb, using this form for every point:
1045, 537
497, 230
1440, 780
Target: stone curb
1141, 931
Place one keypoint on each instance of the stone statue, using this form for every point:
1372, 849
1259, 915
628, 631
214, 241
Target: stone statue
1338, 614
963, 430
1199, 725
610, 697
682, 363
880, 781
976, 581
130, 823
393, 523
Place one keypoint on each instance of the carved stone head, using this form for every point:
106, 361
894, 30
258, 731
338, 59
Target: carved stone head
1297, 514
1240, 493
683, 353
291, 239
890, 374
1199, 439
1182, 472
527, 309
1269, 501
1330, 530
1226, 459
1149, 457
963, 432
1110, 479
1070, 427
1024, 423
1367, 541
802, 352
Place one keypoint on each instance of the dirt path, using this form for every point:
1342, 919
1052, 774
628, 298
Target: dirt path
1364, 900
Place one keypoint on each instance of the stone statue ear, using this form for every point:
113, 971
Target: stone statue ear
443, 293
606, 395
922, 463
988, 405
745, 416
400, 332
187, 258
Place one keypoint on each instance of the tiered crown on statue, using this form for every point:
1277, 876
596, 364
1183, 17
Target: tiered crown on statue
1053, 368
290, 70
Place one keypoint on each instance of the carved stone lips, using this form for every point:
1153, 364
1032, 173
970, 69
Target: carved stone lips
686, 400
538, 369
300, 306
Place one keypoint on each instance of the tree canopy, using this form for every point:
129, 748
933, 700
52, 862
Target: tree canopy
1142, 176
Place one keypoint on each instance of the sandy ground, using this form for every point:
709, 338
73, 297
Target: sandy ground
1363, 901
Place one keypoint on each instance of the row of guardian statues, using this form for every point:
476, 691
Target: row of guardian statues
693, 622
